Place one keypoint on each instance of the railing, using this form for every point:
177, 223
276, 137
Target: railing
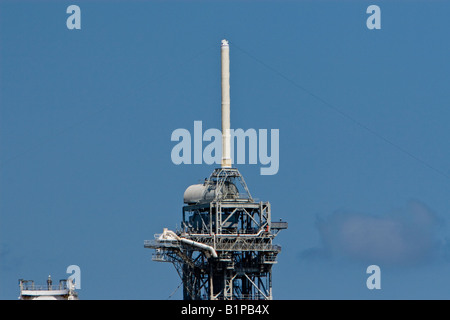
269, 259
255, 296
155, 244
220, 244
160, 257
24, 285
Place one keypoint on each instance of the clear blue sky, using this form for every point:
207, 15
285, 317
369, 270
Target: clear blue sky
86, 118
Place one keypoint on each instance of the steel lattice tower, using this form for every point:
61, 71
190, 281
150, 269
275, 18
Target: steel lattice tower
224, 249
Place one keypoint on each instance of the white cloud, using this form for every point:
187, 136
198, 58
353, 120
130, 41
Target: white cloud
404, 237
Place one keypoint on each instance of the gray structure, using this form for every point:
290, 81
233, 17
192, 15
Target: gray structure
224, 249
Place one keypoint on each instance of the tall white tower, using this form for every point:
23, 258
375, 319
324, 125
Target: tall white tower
225, 57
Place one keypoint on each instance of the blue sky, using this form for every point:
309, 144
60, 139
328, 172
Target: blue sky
86, 118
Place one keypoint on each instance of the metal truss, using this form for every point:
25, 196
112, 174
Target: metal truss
224, 249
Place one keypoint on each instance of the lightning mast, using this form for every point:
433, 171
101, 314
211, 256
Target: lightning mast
224, 250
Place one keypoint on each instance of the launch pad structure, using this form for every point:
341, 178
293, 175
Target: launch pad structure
224, 249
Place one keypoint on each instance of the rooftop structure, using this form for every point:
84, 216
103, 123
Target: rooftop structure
65, 290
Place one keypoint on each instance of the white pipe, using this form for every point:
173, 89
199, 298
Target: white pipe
200, 245
225, 56
169, 235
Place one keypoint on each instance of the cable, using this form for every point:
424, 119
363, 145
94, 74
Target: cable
170, 296
342, 113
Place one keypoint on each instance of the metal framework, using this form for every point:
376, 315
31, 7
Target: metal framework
224, 249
